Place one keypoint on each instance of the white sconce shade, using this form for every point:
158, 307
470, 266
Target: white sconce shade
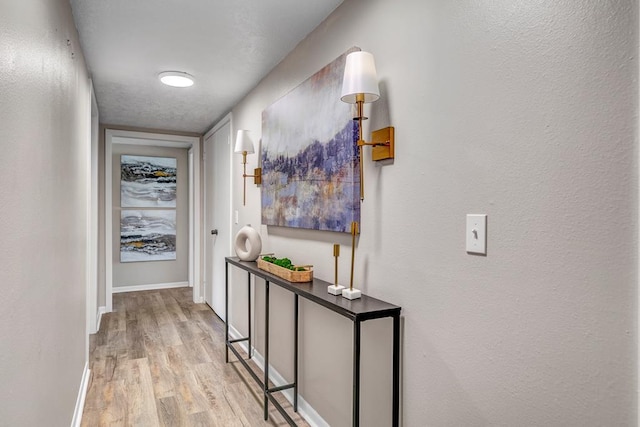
360, 77
243, 142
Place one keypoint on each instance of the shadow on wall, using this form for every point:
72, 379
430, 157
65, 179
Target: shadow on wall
380, 116
452, 402
313, 235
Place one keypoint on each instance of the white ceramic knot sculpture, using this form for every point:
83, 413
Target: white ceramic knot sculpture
248, 243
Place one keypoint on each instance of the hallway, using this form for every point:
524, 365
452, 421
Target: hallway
158, 360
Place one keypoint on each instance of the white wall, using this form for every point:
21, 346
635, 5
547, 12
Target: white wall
525, 111
44, 116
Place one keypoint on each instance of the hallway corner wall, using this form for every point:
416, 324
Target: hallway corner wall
45, 111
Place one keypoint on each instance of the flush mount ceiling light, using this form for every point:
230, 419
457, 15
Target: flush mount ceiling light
176, 78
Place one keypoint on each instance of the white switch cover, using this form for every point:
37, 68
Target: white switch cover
477, 234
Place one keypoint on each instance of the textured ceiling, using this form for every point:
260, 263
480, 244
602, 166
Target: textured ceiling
228, 46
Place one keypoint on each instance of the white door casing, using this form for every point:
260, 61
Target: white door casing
115, 136
217, 201
92, 218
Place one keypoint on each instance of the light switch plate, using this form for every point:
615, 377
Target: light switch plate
477, 234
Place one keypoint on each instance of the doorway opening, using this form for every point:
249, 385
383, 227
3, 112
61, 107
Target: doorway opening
114, 137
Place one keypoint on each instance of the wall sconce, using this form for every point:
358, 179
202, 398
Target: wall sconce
360, 86
245, 146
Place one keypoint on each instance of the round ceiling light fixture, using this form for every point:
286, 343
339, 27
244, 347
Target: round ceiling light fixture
176, 78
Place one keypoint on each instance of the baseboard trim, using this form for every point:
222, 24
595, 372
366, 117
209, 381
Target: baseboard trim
305, 410
101, 310
82, 394
149, 287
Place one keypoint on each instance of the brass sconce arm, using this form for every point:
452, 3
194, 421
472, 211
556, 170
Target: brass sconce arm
362, 143
257, 172
257, 177
382, 141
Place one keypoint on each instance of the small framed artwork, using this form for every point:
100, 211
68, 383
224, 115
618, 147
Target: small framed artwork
147, 235
147, 181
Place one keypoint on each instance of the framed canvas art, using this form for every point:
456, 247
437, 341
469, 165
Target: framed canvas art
310, 160
147, 181
147, 235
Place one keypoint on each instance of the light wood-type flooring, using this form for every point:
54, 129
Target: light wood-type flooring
158, 360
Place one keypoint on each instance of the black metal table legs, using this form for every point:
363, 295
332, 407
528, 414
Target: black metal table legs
249, 312
266, 351
269, 391
396, 371
295, 355
356, 373
226, 315
226, 311
395, 416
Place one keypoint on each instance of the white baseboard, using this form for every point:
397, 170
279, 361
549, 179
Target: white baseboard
305, 410
82, 394
149, 287
101, 310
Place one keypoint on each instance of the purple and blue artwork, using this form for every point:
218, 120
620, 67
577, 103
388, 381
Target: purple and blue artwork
310, 160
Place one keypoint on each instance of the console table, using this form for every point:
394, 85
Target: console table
358, 311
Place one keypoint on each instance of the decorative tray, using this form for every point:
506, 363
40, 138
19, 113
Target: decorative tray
305, 275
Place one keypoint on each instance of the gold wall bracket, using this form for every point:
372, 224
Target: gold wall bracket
383, 144
257, 176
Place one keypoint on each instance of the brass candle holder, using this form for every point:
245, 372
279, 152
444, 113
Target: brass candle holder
335, 289
352, 293
336, 254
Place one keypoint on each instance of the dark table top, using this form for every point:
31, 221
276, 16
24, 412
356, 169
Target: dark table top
363, 308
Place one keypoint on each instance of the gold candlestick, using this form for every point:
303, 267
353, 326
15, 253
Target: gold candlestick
335, 289
352, 293
336, 254
354, 231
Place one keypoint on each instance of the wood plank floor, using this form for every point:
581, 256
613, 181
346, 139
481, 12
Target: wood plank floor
158, 360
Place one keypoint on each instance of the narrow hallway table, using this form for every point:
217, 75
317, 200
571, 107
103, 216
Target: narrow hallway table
358, 311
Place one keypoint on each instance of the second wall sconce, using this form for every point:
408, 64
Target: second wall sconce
360, 86
245, 146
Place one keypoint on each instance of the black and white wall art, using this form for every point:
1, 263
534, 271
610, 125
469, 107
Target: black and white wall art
147, 181
147, 235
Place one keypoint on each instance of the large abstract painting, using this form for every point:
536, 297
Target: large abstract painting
147, 181
147, 235
310, 161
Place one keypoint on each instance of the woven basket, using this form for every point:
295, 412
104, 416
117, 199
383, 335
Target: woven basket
285, 273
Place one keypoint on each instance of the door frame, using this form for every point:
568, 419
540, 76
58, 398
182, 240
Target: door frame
192, 143
226, 119
92, 216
